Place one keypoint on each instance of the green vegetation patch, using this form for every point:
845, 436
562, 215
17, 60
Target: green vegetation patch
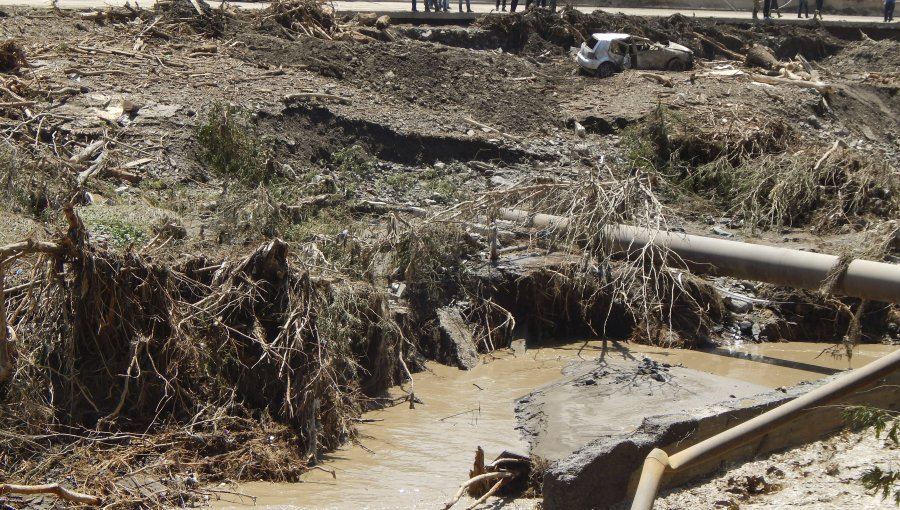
230, 145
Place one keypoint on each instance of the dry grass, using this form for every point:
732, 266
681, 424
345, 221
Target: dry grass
646, 282
793, 189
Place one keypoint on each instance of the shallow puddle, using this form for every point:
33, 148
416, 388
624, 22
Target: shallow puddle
416, 458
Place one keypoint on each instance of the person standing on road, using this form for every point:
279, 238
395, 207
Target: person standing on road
888, 11
468, 6
804, 6
818, 14
767, 8
498, 5
756, 6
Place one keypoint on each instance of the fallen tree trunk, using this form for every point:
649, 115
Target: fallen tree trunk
52, 488
772, 80
29, 246
658, 78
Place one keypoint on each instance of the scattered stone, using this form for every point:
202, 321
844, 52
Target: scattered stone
761, 56
579, 130
583, 149
722, 232
383, 22
497, 181
738, 305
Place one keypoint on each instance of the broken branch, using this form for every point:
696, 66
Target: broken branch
484, 476
17, 103
5, 358
489, 128
723, 50
772, 80
662, 80
828, 153
52, 488
489, 493
28, 246
314, 95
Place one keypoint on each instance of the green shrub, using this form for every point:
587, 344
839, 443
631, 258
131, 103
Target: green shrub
875, 479
230, 145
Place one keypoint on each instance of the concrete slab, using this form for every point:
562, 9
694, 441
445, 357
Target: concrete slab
595, 399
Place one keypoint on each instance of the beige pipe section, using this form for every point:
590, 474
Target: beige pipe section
865, 279
658, 462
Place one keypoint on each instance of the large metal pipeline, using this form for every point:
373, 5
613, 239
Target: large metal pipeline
877, 281
658, 462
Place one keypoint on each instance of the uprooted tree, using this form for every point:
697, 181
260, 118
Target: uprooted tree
223, 359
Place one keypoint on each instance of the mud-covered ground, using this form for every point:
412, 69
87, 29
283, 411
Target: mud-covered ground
824, 474
380, 156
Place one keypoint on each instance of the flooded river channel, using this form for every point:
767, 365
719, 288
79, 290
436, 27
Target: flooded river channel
416, 458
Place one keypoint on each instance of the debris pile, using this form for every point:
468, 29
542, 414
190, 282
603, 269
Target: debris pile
316, 18
193, 16
222, 361
12, 57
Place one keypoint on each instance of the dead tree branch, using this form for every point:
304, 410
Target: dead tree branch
52, 488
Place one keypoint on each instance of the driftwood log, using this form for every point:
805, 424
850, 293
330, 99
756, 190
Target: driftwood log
51, 488
823, 88
658, 78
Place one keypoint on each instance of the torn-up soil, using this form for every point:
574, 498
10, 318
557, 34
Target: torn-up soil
252, 219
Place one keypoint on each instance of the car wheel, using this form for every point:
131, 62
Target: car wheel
606, 69
676, 64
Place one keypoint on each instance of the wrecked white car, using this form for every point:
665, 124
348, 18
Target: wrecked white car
606, 54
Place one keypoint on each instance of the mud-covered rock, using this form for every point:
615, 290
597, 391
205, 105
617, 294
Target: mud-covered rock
457, 340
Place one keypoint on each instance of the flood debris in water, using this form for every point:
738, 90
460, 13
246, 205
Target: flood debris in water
509, 473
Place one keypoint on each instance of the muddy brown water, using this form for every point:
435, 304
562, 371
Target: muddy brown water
417, 458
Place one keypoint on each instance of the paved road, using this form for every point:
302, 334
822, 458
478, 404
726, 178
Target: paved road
480, 7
